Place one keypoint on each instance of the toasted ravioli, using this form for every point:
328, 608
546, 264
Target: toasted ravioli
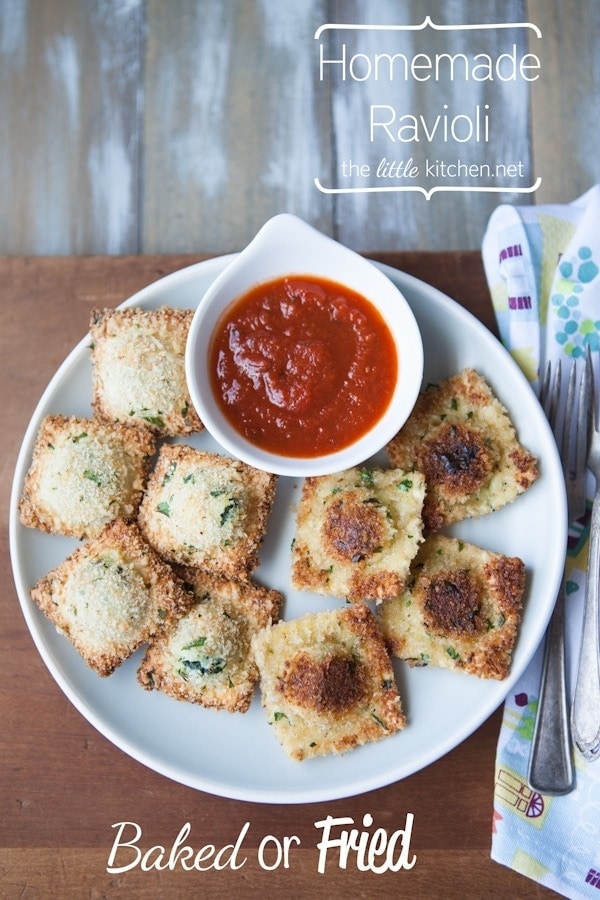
459, 611
83, 475
111, 595
205, 510
356, 533
206, 657
461, 437
138, 359
327, 683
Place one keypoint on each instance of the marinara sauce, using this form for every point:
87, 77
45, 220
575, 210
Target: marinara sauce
302, 366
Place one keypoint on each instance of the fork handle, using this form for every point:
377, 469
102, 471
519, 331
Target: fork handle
585, 713
550, 764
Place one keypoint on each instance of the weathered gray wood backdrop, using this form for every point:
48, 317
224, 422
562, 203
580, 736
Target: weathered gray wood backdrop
142, 126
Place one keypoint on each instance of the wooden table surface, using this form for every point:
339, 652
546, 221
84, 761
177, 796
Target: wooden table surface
63, 785
144, 126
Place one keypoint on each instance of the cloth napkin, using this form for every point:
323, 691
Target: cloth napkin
542, 264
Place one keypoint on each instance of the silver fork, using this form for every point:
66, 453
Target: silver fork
550, 764
585, 713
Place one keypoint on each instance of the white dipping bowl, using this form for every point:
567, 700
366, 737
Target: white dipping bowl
284, 246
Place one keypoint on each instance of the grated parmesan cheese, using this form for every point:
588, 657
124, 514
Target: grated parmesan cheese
107, 601
140, 376
84, 480
204, 509
138, 361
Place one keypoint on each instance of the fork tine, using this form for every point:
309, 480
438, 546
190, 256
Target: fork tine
575, 438
550, 394
592, 422
568, 442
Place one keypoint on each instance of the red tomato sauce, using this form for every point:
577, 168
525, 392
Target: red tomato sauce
302, 366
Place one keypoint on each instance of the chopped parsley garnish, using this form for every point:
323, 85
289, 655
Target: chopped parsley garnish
366, 477
199, 642
230, 510
154, 420
92, 476
169, 473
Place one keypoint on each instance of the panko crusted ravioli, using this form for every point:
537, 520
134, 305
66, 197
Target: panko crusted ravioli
460, 609
138, 360
84, 473
110, 596
357, 532
327, 682
206, 657
461, 437
205, 510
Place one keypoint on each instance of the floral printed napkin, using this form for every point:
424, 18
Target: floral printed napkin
542, 265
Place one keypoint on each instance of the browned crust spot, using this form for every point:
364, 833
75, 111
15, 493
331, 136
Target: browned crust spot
331, 685
352, 530
457, 458
452, 604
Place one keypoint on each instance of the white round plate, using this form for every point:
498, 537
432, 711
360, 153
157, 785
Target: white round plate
235, 755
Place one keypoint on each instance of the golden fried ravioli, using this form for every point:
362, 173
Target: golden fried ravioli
138, 360
327, 683
459, 611
206, 657
84, 473
110, 596
205, 510
356, 533
460, 436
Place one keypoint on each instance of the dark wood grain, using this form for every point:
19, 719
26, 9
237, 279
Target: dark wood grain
63, 785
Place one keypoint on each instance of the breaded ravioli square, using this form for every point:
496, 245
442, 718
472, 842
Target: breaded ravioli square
460, 610
138, 366
205, 510
461, 437
206, 656
357, 532
111, 596
84, 474
327, 683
